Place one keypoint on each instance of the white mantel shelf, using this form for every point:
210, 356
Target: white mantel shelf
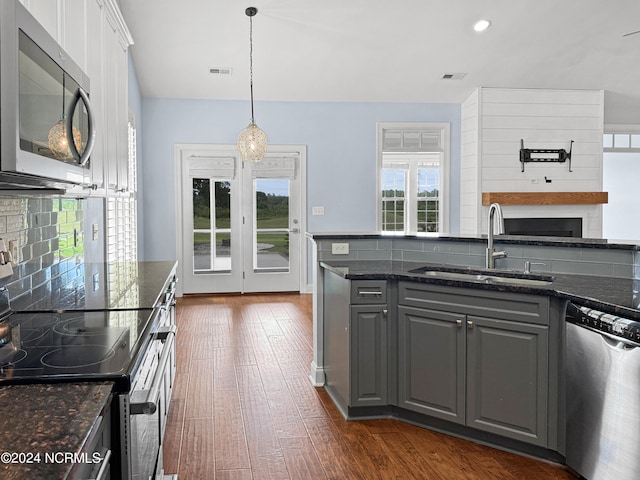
545, 198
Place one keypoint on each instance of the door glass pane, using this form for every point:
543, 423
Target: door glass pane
211, 226
272, 224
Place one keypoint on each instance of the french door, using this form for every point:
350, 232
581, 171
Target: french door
240, 222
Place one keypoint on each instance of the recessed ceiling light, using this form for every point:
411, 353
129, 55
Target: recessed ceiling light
481, 25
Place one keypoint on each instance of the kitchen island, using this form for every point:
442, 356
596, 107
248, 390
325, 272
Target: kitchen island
613, 295
379, 309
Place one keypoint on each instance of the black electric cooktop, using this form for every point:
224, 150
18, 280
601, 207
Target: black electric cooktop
72, 345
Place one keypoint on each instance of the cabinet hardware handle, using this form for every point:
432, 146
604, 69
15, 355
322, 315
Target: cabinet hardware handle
459, 323
103, 467
469, 324
385, 312
369, 292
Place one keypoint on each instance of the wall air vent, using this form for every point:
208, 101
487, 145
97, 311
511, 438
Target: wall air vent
221, 70
453, 76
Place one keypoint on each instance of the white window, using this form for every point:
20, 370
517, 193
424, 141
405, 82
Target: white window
121, 213
413, 176
621, 138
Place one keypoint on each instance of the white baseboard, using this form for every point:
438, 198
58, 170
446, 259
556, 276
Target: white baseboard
316, 376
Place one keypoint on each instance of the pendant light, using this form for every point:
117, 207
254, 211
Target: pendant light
58, 138
252, 142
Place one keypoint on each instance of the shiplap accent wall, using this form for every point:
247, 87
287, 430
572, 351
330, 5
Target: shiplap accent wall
470, 194
545, 119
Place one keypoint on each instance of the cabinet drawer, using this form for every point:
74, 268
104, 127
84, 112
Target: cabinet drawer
517, 307
368, 292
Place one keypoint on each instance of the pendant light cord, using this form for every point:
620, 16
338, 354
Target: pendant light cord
64, 94
251, 63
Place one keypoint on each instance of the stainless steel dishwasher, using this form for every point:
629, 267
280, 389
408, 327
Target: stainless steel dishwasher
603, 395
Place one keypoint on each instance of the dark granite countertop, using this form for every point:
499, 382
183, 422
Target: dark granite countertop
108, 286
498, 239
618, 296
46, 419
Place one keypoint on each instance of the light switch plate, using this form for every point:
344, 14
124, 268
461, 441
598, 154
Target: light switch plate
340, 248
317, 210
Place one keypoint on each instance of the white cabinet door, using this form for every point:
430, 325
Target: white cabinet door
46, 12
96, 71
73, 30
116, 95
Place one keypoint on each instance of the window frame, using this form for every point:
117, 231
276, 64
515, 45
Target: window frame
618, 133
443, 130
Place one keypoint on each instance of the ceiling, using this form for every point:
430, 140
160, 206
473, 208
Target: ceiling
383, 51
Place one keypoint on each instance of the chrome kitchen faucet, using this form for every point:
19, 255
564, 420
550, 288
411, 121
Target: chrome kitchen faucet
491, 253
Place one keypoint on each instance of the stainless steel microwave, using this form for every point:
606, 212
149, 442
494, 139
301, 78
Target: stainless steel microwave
47, 130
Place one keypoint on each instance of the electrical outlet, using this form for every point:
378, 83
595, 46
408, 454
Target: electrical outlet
340, 248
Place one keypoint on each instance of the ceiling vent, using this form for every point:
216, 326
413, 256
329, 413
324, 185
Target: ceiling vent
221, 71
453, 76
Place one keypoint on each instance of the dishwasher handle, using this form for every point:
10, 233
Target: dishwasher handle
616, 342
616, 331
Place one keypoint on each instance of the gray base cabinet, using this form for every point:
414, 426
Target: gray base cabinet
355, 341
488, 372
431, 364
485, 361
368, 355
507, 378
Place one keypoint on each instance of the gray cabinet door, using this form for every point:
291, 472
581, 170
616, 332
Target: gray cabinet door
507, 378
368, 342
431, 364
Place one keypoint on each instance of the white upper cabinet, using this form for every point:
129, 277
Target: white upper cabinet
47, 12
96, 70
94, 34
116, 42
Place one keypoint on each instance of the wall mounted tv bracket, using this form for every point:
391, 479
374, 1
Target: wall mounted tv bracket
544, 155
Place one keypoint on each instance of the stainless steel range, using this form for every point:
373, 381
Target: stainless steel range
133, 348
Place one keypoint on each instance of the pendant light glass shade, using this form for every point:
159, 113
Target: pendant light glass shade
252, 143
58, 140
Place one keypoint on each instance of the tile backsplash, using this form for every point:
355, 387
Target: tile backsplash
608, 262
48, 245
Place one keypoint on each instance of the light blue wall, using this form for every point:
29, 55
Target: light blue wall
341, 155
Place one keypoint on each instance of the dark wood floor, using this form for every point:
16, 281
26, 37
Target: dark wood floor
244, 408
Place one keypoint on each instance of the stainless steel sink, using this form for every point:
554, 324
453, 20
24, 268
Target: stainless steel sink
483, 278
519, 281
